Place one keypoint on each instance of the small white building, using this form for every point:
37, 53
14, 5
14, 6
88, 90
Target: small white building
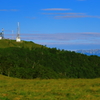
18, 39
0, 38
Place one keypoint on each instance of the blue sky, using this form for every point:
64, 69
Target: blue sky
64, 24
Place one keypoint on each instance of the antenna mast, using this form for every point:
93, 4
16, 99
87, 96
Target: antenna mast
2, 34
18, 34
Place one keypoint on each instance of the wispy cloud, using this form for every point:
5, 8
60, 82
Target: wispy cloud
91, 33
31, 17
70, 15
76, 16
63, 38
64, 13
56, 9
86, 37
3, 10
81, 0
14, 10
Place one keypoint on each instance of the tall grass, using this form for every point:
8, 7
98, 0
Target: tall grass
52, 89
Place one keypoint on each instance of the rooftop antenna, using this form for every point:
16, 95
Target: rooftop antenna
18, 34
2, 34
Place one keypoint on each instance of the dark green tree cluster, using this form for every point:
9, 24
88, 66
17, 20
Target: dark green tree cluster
47, 63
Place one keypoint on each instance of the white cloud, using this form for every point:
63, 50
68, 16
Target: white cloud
56, 9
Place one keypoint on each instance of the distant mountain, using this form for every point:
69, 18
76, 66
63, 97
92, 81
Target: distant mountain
89, 52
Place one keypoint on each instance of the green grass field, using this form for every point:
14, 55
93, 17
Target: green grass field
51, 89
5, 43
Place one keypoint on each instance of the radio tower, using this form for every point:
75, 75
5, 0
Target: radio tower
18, 34
2, 34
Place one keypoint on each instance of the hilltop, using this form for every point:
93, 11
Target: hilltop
28, 60
5, 43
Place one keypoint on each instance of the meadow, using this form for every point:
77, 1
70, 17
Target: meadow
49, 89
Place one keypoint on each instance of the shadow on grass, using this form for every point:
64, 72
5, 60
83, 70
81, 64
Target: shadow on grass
4, 98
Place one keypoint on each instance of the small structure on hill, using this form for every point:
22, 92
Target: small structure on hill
2, 34
18, 34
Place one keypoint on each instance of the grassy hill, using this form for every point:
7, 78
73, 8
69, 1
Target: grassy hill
46, 73
52, 89
4, 43
28, 60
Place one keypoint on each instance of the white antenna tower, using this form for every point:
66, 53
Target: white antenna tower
18, 34
2, 34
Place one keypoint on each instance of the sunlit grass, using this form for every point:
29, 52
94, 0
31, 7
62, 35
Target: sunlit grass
5, 43
51, 89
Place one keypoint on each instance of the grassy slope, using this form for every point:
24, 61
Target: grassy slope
12, 43
61, 89
53, 89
